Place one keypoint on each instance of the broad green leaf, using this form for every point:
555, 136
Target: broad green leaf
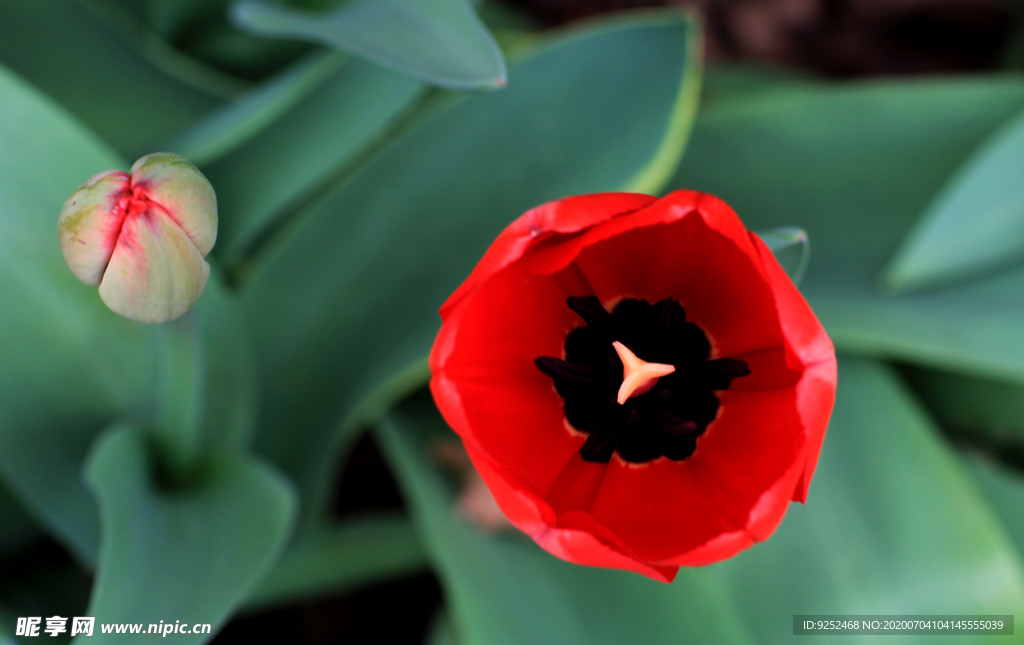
792, 249
505, 589
191, 554
304, 149
233, 125
988, 410
854, 165
1004, 488
68, 365
975, 224
361, 550
893, 525
344, 307
729, 80
64, 50
438, 41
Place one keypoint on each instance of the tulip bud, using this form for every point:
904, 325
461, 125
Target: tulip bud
142, 237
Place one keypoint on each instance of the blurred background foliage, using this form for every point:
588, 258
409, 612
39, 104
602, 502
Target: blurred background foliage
268, 463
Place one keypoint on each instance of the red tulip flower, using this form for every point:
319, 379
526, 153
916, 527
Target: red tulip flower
637, 380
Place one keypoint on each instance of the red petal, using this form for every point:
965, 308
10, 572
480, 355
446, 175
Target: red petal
664, 509
693, 248
816, 393
579, 546
487, 386
765, 517
568, 215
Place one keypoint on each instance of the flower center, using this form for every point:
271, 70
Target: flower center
132, 202
638, 376
638, 380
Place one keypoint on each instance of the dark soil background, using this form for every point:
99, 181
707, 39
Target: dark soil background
839, 38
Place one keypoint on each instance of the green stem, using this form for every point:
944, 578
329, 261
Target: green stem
180, 394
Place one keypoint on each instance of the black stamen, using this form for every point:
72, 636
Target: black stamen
597, 318
556, 367
667, 420
602, 443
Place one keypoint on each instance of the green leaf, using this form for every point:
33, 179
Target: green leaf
192, 554
725, 80
64, 50
361, 550
505, 589
227, 129
792, 249
344, 307
893, 524
988, 410
854, 165
1004, 488
68, 365
975, 224
438, 41
319, 137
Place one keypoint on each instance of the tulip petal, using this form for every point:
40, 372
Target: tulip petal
156, 273
694, 248
496, 383
816, 393
569, 215
184, 193
574, 545
90, 223
665, 507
